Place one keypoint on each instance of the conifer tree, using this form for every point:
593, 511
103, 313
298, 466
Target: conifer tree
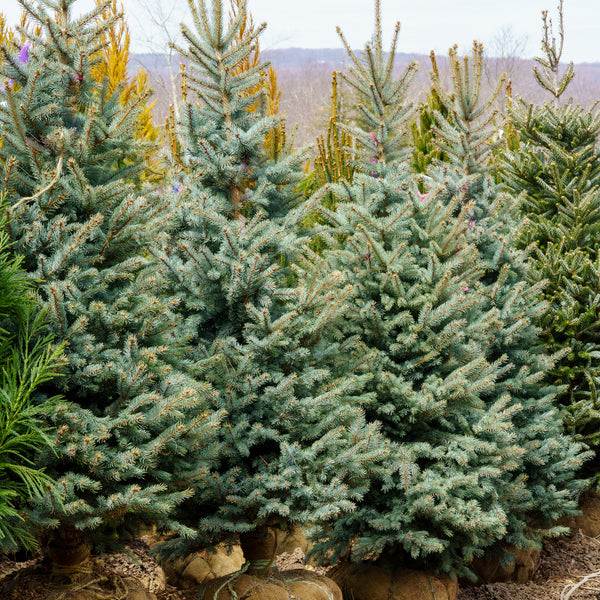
413, 274
71, 165
296, 446
27, 360
424, 148
555, 165
546, 469
275, 140
331, 164
447, 391
114, 66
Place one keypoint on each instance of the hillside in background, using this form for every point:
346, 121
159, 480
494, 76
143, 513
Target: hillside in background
304, 77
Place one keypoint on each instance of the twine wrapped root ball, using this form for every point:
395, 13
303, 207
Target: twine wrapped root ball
298, 584
365, 581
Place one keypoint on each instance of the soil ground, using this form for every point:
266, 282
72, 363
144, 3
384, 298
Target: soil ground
564, 564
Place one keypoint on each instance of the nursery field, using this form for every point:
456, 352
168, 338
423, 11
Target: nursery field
363, 370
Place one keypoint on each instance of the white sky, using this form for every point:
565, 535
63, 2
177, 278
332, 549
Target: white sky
426, 24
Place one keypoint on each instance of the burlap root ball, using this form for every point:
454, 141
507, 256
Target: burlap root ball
366, 581
298, 584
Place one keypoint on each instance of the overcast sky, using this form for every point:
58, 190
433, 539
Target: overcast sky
426, 24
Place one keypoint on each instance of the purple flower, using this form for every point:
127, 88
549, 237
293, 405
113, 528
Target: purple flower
471, 223
422, 196
329, 298
24, 53
176, 189
373, 160
466, 289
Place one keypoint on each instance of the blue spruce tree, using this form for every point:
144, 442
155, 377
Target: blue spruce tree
550, 458
449, 373
296, 445
71, 168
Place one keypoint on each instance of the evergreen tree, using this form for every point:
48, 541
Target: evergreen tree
424, 148
71, 165
555, 165
296, 446
114, 67
413, 273
450, 374
275, 140
27, 360
331, 164
550, 458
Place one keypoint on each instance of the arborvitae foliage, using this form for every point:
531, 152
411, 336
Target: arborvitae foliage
452, 363
295, 444
423, 148
70, 167
27, 360
544, 485
555, 165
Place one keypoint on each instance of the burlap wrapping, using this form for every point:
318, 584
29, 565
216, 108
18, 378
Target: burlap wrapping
366, 581
519, 570
260, 549
298, 584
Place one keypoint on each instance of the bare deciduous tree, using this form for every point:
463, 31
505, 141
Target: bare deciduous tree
165, 26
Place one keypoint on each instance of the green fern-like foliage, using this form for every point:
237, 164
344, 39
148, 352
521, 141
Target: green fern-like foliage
27, 361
